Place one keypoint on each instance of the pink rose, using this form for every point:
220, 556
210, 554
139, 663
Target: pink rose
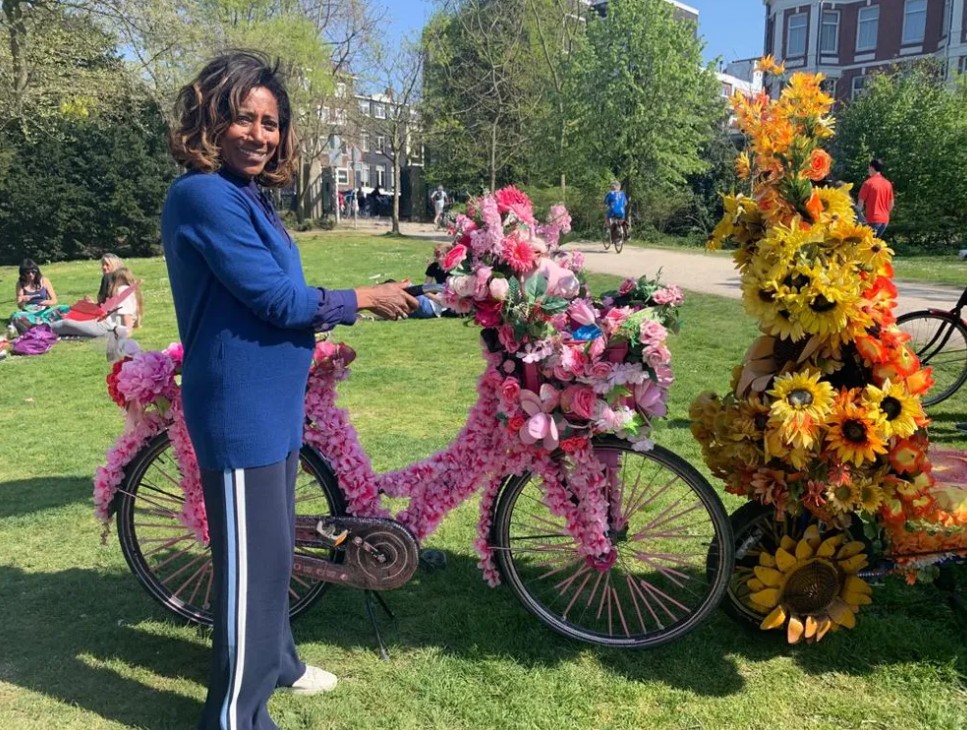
579, 400
463, 286
510, 390
481, 277
582, 312
627, 286
600, 370
499, 289
669, 295
505, 333
656, 356
652, 332
488, 313
454, 257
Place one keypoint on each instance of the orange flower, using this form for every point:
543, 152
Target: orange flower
907, 457
920, 382
819, 164
814, 206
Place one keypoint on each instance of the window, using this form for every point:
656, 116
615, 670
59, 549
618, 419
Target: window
796, 35
868, 28
947, 11
325, 114
364, 175
829, 33
340, 116
859, 85
379, 111
380, 143
962, 64
726, 90
380, 176
365, 141
342, 176
914, 21
829, 86
340, 89
364, 107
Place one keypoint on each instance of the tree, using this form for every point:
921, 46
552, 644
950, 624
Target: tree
645, 104
400, 75
913, 122
479, 91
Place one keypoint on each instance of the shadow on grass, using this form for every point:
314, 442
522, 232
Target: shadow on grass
67, 649
56, 642
25, 496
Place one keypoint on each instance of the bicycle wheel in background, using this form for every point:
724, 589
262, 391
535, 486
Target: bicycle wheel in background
609, 237
939, 339
658, 588
619, 242
169, 562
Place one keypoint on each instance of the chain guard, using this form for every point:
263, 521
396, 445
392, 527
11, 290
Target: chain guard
377, 555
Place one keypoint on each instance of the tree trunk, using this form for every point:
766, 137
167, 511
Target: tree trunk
14, 14
493, 155
396, 193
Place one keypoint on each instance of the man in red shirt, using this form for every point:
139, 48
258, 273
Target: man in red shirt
876, 197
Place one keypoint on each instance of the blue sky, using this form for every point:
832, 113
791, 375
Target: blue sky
732, 29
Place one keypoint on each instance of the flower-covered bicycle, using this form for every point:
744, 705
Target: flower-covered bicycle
823, 429
603, 535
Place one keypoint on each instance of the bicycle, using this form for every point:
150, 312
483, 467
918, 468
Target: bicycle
617, 235
939, 338
650, 587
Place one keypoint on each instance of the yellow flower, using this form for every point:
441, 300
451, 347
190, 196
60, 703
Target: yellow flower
870, 497
802, 402
769, 65
899, 410
855, 433
837, 205
743, 168
810, 586
842, 497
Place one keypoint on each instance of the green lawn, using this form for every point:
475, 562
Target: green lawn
83, 647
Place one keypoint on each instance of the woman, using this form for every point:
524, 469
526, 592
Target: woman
246, 318
109, 262
36, 299
120, 283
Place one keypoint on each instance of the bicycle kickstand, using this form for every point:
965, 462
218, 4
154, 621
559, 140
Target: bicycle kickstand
372, 597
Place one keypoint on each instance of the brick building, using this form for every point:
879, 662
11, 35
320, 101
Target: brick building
848, 40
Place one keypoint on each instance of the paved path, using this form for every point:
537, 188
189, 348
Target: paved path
712, 273
699, 271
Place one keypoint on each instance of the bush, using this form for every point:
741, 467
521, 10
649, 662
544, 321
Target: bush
90, 186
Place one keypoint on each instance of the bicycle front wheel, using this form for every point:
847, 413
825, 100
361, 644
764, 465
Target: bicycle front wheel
619, 242
165, 556
666, 519
939, 339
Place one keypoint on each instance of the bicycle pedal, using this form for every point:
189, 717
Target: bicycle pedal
329, 534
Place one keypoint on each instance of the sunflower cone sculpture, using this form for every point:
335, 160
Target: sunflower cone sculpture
824, 415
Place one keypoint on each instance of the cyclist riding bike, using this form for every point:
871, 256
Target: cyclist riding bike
616, 203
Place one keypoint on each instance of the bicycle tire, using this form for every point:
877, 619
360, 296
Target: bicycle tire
598, 629
607, 241
939, 339
619, 242
155, 461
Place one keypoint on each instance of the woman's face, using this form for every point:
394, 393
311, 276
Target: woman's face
107, 267
251, 140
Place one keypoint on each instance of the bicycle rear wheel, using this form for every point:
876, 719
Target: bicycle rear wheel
939, 339
169, 562
619, 242
657, 590
609, 238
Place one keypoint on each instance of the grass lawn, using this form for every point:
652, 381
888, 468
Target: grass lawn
83, 647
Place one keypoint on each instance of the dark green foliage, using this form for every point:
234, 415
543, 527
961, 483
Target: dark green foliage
86, 186
918, 127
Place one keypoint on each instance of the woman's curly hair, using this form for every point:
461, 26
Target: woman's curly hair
207, 106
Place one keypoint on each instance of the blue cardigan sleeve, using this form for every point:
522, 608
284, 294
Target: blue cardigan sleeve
217, 222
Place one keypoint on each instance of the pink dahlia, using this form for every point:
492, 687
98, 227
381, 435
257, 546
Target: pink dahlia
518, 253
510, 198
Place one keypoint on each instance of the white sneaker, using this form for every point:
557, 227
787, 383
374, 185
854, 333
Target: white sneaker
314, 681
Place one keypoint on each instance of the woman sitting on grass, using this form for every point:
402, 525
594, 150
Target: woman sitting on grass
127, 315
109, 263
36, 299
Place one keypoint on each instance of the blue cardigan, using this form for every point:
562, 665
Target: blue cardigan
246, 318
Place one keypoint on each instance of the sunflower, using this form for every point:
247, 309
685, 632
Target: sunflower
871, 496
836, 203
829, 308
902, 413
802, 402
843, 497
810, 587
856, 433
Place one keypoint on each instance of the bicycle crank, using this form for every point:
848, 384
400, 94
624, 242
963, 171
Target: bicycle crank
377, 554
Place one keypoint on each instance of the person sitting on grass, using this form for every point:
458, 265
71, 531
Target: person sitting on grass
124, 319
36, 300
109, 262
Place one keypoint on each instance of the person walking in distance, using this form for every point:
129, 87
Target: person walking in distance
876, 197
440, 200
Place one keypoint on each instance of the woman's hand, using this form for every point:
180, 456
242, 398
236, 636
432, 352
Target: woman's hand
386, 300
